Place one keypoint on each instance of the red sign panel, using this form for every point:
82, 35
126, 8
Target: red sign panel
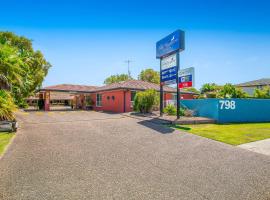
185, 84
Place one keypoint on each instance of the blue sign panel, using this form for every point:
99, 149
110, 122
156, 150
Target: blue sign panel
172, 43
169, 75
169, 69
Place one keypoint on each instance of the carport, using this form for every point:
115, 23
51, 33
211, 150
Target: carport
64, 97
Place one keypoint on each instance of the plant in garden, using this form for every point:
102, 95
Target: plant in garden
230, 91
170, 109
208, 87
7, 106
145, 101
209, 90
263, 93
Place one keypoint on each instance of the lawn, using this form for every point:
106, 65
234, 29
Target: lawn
4, 140
233, 134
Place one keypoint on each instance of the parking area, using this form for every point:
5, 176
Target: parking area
91, 155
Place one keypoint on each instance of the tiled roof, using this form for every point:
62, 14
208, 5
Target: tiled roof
129, 84
263, 81
134, 85
70, 88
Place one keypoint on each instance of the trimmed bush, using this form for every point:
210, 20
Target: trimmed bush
145, 101
171, 110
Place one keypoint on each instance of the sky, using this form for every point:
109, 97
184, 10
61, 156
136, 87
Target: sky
86, 41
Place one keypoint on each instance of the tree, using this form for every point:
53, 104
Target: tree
263, 93
208, 87
22, 66
230, 91
149, 75
117, 78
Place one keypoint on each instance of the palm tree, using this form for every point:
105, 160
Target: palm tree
4, 85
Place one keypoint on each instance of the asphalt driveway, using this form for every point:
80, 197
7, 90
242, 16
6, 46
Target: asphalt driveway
90, 155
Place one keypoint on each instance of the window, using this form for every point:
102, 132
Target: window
133, 94
99, 100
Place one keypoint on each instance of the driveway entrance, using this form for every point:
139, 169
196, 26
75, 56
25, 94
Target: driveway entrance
90, 155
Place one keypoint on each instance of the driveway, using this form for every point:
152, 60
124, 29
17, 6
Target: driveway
90, 155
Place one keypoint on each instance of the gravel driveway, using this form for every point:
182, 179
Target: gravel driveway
90, 155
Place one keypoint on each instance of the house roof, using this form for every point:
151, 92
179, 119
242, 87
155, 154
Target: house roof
133, 85
263, 81
69, 88
129, 84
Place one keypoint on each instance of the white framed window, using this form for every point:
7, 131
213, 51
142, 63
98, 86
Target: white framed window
99, 100
133, 94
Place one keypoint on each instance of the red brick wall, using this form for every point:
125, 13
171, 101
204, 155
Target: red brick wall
117, 105
108, 104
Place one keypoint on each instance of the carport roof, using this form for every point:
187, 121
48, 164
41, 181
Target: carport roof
69, 88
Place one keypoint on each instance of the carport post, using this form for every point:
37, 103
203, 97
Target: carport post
47, 101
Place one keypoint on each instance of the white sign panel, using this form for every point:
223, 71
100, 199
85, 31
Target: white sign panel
168, 62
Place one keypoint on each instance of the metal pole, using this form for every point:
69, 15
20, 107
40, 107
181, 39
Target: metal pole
161, 94
177, 84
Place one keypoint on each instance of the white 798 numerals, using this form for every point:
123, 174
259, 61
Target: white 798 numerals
227, 104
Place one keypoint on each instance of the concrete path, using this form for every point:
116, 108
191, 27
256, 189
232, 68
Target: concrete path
89, 155
262, 146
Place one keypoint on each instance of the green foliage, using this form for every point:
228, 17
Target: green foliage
149, 75
170, 109
211, 90
145, 101
209, 87
22, 66
262, 93
89, 101
7, 106
5, 140
117, 78
191, 89
230, 91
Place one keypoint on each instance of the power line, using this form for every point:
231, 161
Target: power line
128, 62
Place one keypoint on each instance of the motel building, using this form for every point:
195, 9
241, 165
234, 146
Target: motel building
116, 97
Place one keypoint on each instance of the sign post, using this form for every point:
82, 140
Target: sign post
167, 50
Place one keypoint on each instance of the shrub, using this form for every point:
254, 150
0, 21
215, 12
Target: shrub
230, 91
145, 101
170, 109
262, 93
7, 106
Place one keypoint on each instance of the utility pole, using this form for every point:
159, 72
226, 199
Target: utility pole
128, 62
